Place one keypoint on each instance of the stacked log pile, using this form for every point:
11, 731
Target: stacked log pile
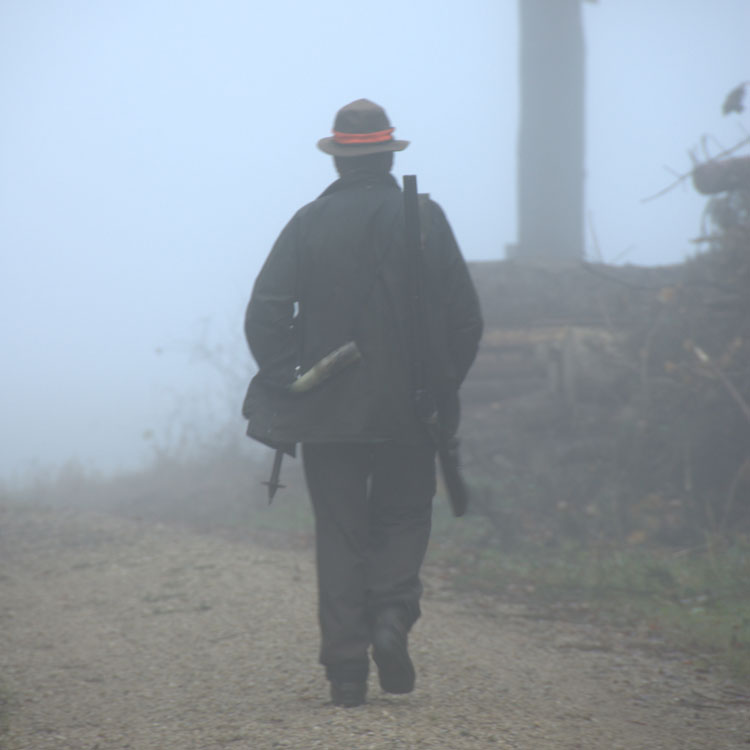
589, 411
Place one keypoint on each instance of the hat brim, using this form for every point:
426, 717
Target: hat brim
329, 146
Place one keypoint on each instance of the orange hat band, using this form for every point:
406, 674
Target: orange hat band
349, 139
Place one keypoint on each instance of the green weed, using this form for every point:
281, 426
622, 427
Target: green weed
698, 600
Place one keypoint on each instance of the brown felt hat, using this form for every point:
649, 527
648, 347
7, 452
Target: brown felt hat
361, 128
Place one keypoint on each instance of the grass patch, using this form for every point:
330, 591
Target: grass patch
698, 600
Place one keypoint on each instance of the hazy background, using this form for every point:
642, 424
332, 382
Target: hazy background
151, 151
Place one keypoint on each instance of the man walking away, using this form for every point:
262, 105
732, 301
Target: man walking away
338, 277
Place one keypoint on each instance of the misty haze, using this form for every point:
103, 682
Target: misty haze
592, 159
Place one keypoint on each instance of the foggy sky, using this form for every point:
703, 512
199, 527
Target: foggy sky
151, 151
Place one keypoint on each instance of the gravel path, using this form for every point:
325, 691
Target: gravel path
119, 634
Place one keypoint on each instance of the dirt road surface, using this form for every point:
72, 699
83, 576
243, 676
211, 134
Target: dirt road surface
123, 634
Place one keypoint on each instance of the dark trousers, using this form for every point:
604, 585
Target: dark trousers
373, 513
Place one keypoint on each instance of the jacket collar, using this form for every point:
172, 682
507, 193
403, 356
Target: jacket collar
358, 179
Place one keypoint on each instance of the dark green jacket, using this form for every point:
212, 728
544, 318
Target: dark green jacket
338, 272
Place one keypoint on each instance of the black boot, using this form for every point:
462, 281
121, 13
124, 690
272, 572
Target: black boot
390, 652
348, 694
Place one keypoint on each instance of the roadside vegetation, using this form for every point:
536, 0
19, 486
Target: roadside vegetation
696, 600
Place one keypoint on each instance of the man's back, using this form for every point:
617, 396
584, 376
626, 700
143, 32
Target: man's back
342, 261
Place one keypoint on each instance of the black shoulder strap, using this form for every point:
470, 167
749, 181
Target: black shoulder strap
424, 398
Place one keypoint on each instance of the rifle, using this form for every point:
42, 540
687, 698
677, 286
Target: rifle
425, 400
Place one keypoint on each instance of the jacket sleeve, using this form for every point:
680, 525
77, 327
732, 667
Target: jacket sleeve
269, 319
462, 314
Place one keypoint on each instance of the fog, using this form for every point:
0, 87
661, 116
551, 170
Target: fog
150, 152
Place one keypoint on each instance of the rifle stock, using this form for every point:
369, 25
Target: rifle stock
450, 468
